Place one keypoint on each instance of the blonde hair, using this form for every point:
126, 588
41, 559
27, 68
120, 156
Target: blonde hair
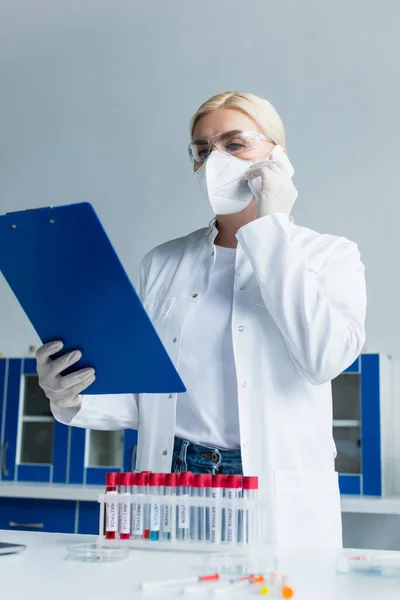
258, 109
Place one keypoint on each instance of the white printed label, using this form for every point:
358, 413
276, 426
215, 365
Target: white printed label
167, 519
155, 517
111, 514
138, 523
125, 516
229, 518
214, 518
183, 519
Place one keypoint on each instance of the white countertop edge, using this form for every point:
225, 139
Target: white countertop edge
90, 493
371, 505
18, 489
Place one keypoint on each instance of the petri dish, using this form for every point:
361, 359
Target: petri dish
94, 553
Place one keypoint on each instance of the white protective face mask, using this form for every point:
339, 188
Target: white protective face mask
222, 180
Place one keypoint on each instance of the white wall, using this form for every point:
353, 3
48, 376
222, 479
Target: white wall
96, 97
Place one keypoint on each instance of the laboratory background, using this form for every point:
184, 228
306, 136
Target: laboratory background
96, 99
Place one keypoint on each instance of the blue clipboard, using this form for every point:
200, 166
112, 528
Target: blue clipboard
72, 286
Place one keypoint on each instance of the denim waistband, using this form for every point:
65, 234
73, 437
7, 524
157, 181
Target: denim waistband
205, 458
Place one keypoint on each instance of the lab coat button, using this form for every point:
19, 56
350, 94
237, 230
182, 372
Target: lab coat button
194, 295
174, 339
165, 452
245, 444
241, 328
244, 384
242, 287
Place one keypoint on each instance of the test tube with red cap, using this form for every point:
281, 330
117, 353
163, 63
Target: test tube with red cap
169, 514
197, 513
217, 484
232, 491
154, 490
138, 529
201, 483
204, 515
125, 482
111, 507
184, 490
250, 492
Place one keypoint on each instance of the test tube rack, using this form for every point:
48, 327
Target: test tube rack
184, 522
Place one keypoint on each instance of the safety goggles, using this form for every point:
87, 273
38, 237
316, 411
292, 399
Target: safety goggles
238, 143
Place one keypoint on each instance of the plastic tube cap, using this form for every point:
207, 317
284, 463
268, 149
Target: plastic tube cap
250, 483
234, 481
218, 481
155, 479
207, 480
126, 479
185, 478
142, 479
112, 479
199, 480
171, 480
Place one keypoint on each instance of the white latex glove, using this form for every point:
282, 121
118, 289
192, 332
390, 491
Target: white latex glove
278, 193
61, 390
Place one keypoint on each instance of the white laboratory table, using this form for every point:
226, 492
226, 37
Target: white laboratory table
43, 572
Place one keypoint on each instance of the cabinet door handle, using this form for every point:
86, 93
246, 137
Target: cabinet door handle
27, 525
3, 460
133, 458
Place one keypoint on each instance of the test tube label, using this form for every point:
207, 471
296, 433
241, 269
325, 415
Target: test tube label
183, 521
155, 517
215, 518
229, 518
125, 517
213, 524
138, 524
112, 517
167, 519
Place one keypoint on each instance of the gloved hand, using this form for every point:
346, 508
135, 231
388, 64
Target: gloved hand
62, 390
278, 193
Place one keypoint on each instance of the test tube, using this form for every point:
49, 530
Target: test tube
111, 507
250, 492
125, 481
169, 515
155, 489
205, 523
232, 491
197, 513
184, 489
217, 484
194, 522
163, 479
138, 530
134, 492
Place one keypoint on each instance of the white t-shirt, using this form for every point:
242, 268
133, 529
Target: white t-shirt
208, 412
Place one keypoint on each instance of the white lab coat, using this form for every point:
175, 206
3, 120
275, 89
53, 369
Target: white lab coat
298, 321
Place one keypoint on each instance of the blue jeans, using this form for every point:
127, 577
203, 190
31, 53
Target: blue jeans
199, 458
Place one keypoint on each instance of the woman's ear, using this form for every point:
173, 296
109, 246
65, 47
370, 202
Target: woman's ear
284, 149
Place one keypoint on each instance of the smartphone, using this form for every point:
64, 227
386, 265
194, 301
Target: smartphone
11, 548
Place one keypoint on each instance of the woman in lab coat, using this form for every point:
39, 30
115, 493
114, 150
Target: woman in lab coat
258, 315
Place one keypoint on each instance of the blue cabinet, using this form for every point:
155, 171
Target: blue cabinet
363, 426
34, 445
31, 514
94, 453
88, 517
